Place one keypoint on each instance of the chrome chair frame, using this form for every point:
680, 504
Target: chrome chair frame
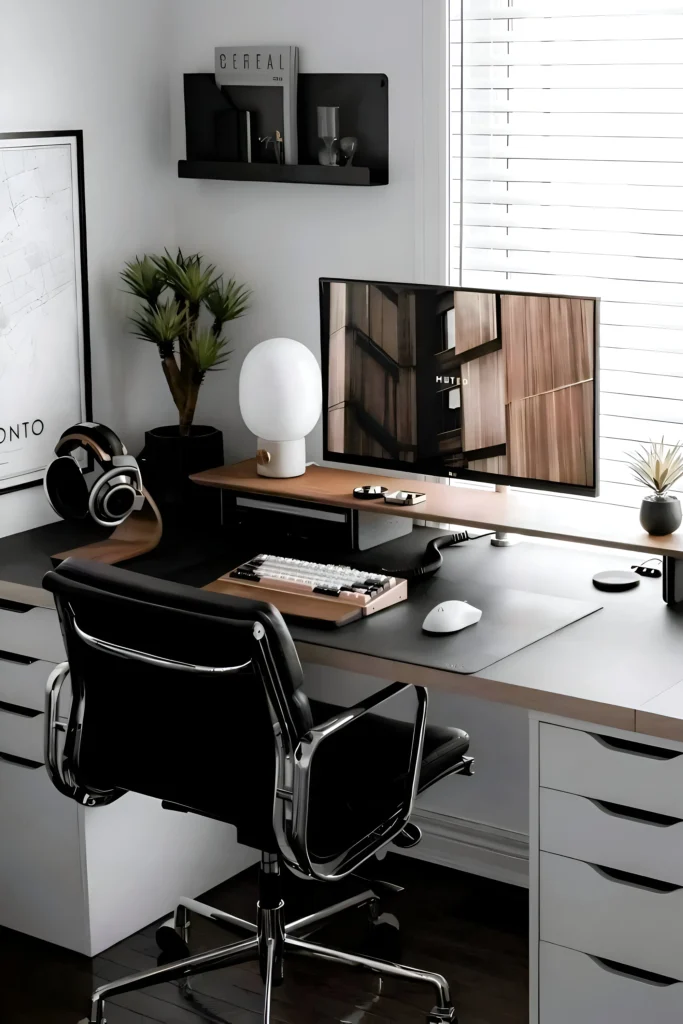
271, 937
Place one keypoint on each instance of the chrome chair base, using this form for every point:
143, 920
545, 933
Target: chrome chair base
270, 941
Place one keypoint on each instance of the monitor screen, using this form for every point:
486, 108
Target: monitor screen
482, 385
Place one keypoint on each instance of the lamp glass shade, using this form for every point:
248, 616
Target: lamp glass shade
280, 390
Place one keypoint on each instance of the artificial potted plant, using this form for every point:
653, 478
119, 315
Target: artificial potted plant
658, 466
185, 306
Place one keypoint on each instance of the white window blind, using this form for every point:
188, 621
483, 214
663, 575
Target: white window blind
567, 176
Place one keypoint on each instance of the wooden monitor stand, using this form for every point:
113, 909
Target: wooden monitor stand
515, 511
137, 535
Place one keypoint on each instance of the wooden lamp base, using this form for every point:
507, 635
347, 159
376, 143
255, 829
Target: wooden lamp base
139, 534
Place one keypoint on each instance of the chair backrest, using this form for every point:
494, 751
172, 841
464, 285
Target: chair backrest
176, 693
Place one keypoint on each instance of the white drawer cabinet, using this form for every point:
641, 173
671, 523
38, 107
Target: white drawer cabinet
606, 876
578, 989
637, 841
621, 771
23, 680
35, 633
22, 736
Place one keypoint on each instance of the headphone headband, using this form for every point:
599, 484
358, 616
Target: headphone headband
100, 440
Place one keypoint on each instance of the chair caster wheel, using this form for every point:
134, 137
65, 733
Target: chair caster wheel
442, 1015
172, 946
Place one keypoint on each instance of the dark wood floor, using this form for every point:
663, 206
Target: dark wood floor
472, 930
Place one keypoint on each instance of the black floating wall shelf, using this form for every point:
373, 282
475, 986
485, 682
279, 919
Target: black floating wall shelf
363, 102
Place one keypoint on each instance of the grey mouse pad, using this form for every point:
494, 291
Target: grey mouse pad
511, 620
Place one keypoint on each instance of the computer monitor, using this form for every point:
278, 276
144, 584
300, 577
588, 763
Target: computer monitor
461, 382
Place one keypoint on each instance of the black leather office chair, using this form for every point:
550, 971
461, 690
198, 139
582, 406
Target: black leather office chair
198, 700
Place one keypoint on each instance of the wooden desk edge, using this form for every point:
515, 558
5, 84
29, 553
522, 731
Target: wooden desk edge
527, 697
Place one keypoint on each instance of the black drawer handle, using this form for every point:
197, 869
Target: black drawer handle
635, 814
18, 659
15, 606
17, 709
636, 881
632, 747
23, 762
612, 967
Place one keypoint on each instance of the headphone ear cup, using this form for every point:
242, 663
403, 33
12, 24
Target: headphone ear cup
66, 488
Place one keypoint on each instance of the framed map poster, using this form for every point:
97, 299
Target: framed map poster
45, 382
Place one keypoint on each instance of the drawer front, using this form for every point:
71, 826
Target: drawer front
650, 778
628, 921
23, 680
22, 736
575, 988
35, 633
615, 837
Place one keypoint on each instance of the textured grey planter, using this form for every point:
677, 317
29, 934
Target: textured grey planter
660, 514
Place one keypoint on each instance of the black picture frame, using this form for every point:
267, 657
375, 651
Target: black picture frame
413, 468
75, 137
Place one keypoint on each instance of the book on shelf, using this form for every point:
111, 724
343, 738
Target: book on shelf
248, 74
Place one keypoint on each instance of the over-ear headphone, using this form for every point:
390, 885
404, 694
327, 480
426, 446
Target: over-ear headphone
111, 496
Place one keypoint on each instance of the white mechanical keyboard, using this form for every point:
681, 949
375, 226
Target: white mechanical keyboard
351, 586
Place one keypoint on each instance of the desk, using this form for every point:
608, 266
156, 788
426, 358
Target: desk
614, 676
612, 668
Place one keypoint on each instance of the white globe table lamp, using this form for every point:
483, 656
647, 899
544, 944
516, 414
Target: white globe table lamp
280, 400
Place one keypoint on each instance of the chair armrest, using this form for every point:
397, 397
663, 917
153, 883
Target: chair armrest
292, 826
333, 725
56, 764
54, 725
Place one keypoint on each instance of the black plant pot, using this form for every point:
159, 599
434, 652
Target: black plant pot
660, 514
168, 460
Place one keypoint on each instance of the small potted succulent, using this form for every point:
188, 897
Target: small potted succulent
185, 306
658, 466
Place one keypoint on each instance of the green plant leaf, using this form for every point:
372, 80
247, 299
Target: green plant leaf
160, 324
208, 352
187, 276
227, 301
143, 279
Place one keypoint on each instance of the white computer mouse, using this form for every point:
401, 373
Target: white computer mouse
450, 616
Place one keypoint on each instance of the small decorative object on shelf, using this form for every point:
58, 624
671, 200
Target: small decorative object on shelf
349, 147
280, 400
658, 466
186, 303
328, 133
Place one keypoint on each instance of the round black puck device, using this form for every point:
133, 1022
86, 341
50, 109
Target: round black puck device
369, 492
615, 580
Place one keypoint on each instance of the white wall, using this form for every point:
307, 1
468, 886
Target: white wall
101, 67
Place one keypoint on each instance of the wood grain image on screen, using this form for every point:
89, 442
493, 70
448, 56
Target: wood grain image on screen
372, 390
548, 345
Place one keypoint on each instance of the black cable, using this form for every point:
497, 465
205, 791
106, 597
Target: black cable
432, 560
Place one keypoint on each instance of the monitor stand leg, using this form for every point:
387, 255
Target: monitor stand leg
504, 540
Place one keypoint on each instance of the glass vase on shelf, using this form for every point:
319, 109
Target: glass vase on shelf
328, 134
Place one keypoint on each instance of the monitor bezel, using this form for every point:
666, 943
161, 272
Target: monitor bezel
465, 474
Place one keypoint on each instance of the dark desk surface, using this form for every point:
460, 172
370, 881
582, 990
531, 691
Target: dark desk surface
618, 667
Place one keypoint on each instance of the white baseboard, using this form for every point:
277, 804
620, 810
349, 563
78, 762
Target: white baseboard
471, 846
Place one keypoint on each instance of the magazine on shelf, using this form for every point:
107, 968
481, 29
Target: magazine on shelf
264, 66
